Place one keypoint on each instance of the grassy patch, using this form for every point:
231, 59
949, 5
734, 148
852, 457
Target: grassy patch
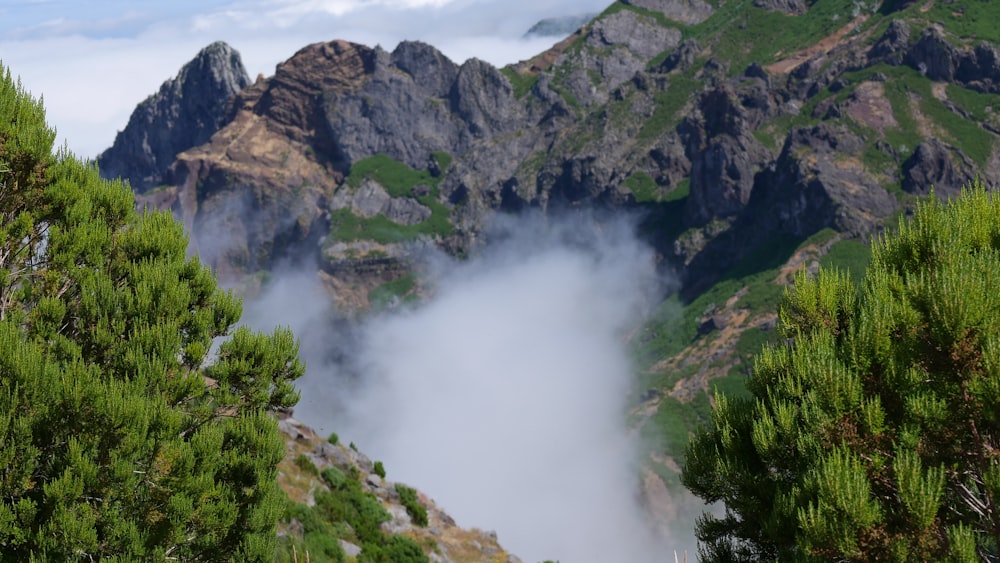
521, 83
402, 290
643, 187
970, 19
668, 105
905, 84
741, 33
680, 192
734, 384
675, 324
850, 255
980, 106
444, 160
673, 421
399, 180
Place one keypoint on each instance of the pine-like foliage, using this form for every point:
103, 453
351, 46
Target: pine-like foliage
117, 441
874, 434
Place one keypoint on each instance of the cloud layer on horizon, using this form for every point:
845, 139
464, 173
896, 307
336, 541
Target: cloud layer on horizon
94, 62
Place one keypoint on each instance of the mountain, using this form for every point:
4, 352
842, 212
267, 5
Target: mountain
185, 112
750, 155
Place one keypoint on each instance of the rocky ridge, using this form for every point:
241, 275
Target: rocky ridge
185, 112
737, 146
443, 540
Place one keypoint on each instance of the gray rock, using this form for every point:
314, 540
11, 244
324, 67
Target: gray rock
371, 199
724, 155
809, 188
682, 57
893, 44
938, 165
980, 68
933, 56
407, 211
185, 112
637, 33
374, 481
349, 548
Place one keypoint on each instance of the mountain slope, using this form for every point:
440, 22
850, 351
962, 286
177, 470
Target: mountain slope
750, 154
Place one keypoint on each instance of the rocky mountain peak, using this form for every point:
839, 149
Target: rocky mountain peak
185, 112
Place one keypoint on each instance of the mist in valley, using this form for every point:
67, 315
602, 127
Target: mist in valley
503, 394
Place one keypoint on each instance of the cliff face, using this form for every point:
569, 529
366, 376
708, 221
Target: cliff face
648, 98
185, 112
751, 154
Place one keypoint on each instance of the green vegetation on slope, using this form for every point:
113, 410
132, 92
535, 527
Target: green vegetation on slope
399, 180
115, 446
969, 19
345, 512
401, 290
740, 33
873, 436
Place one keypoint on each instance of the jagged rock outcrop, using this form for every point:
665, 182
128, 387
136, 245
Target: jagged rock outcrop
937, 58
893, 45
724, 154
933, 56
680, 58
620, 45
938, 165
593, 121
819, 181
185, 112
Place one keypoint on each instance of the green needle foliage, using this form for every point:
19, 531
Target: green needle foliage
118, 441
875, 434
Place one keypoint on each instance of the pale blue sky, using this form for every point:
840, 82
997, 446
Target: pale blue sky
94, 61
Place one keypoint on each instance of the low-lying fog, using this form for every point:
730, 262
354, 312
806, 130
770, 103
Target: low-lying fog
503, 394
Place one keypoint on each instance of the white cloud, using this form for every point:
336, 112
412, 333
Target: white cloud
97, 63
502, 397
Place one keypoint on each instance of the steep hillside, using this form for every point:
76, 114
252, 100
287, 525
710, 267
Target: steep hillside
342, 507
751, 154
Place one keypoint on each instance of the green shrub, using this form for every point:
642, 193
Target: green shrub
334, 477
417, 511
378, 469
395, 549
305, 464
333, 438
